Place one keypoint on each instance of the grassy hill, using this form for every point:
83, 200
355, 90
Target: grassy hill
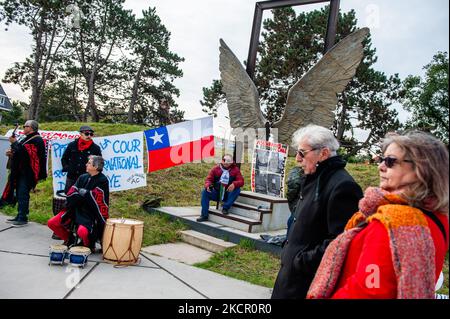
179, 186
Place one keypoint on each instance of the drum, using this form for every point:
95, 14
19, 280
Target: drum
58, 204
57, 254
78, 256
122, 240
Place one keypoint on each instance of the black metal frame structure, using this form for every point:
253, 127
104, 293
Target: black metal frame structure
273, 4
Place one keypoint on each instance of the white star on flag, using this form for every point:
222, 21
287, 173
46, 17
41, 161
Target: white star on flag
157, 138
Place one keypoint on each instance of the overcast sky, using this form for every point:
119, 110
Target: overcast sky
405, 33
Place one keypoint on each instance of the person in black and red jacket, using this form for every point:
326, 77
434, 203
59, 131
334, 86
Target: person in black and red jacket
76, 155
229, 176
87, 206
28, 166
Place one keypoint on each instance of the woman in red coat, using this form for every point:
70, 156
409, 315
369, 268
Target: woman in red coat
395, 246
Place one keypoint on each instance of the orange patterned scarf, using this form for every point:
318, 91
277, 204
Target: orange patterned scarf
412, 247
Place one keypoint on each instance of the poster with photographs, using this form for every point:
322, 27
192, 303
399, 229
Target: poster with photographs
268, 168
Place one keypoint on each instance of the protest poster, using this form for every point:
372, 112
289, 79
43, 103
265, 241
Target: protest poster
268, 168
124, 161
50, 135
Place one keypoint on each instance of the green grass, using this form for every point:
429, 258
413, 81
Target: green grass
181, 186
244, 263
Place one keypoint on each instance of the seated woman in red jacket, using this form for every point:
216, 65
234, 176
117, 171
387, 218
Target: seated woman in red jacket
395, 246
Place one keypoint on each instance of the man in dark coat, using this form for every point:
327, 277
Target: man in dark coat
223, 183
87, 206
76, 155
28, 166
293, 183
328, 197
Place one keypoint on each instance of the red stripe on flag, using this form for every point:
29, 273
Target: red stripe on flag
181, 154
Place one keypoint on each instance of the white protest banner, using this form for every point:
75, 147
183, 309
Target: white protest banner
124, 161
268, 168
47, 136
50, 135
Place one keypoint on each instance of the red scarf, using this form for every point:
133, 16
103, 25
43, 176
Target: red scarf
83, 145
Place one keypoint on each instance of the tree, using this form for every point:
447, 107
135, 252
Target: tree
45, 19
291, 44
59, 103
103, 26
16, 115
427, 99
153, 67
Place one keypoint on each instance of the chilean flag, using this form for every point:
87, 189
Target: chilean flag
179, 143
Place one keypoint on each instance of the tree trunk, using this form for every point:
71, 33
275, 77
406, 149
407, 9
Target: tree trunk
91, 102
342, 118
135, 91
34, 103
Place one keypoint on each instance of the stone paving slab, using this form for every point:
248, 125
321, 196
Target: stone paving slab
25, 273
3, 224
180, 252
213, 285
132, 283
27, 276
35, 239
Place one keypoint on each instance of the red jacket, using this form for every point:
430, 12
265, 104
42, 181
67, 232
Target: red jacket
213, 177
371, 247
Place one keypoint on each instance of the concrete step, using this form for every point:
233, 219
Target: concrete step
235, 221
204, 241
259, 200
253, 201
249, 211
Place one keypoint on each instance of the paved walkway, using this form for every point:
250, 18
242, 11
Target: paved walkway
25, 273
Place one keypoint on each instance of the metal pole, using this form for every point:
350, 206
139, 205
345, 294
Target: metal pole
333, 18
254, 41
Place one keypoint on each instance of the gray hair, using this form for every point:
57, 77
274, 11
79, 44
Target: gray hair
430, 158
317, 137
33, 124
98, 162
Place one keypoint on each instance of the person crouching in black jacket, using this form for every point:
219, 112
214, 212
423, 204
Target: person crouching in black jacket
87, 206
328, 197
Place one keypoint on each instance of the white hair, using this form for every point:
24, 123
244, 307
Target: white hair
317, 137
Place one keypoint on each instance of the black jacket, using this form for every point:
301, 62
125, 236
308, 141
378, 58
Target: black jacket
74, 161
88, 203
29, 160
327, 199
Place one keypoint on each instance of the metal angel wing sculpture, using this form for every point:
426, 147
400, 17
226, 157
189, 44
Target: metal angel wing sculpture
312, 99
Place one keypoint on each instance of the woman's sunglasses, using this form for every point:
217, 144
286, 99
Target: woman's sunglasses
390, 161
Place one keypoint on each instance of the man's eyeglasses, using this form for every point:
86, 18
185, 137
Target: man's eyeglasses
88, 133
390, 161
302, 153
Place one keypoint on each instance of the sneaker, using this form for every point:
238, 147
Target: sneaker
202, 219
225, 211
19, 223
11, 220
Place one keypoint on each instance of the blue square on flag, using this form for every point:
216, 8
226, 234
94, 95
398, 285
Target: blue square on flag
157, 138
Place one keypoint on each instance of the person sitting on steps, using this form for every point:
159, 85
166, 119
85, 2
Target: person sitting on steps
227, 175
